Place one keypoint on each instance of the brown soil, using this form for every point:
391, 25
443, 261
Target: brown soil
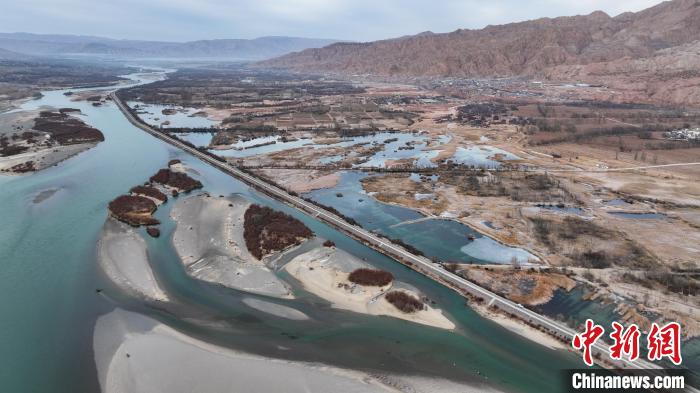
521, 286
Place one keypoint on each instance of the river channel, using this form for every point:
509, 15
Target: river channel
48, 278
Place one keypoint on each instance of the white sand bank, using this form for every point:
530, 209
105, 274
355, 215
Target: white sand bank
121, 253
209, 241
135, 354
519, 327
324, 272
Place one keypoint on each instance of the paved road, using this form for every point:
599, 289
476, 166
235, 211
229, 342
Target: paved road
628, 168
420, 263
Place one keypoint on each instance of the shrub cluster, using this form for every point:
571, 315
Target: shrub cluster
404, 301
371, 277
266, 230
135, 210
65, 129
176, 180
328, 243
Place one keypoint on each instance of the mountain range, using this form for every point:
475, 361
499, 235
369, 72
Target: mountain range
227, 49
652, 55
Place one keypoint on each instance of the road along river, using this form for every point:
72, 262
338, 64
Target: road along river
418, 263
49, 276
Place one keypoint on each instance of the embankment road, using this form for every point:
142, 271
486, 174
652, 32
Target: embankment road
418, 263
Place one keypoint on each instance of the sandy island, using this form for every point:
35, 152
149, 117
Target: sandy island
209, 241
135, 353
324, 272
37, 155
121, 253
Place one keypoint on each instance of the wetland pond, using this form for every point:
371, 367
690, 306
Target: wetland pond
447, 240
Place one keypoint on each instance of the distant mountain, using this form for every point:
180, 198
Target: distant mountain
233, 49
9, 55
655, 44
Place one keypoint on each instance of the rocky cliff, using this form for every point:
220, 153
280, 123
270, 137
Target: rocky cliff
655, 50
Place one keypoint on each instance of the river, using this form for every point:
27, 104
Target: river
49, 303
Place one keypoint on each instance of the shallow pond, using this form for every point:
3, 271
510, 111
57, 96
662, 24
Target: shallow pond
395, 146
175, 116
481, 156
564, 209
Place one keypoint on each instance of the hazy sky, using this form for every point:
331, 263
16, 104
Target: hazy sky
357, 20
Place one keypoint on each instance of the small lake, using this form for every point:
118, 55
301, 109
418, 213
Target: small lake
617, 202
262, 145
564, 209
639, 216
481, 156
331, 159
418, 177
199, 139
177, 116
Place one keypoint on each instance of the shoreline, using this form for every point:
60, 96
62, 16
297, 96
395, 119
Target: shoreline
519, 327
135, 353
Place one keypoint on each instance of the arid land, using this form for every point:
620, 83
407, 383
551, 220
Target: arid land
578, 165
